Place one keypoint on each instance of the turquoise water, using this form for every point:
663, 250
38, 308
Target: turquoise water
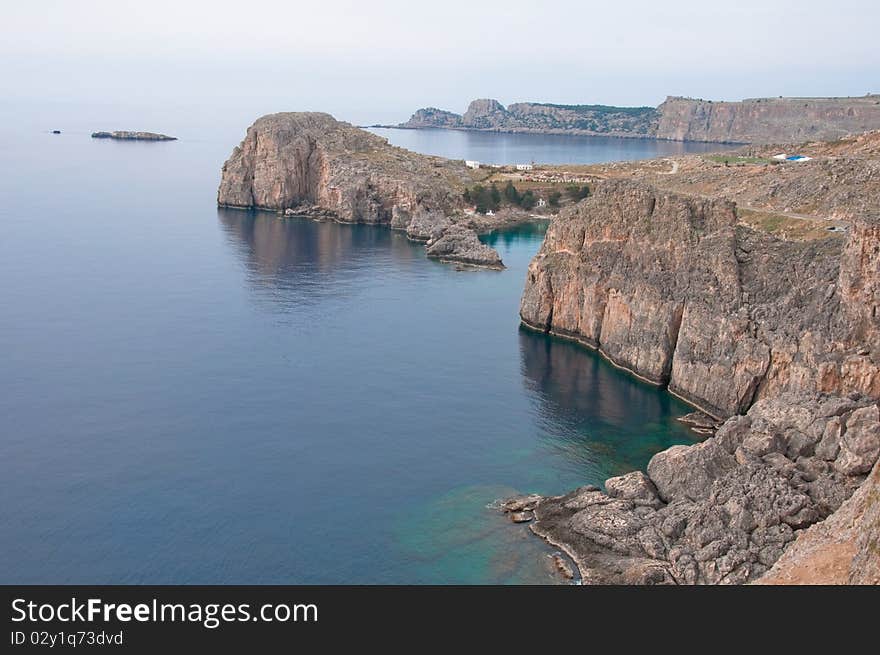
193, 395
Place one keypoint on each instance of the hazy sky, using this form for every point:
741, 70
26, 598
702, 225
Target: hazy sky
378, 61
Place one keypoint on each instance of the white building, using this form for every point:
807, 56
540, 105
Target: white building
524, 167
470, 163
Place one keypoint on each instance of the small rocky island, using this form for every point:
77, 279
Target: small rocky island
123, 135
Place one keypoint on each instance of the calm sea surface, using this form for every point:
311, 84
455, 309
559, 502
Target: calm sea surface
501, 148
194, 395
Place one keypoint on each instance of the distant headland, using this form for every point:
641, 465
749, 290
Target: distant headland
755, 120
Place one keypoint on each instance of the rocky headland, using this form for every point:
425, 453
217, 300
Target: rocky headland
310, 164
774, 333
757, 120
122, 135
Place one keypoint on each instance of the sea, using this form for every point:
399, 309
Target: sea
194, 395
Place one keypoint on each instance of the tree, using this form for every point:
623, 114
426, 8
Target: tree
511, 195
467, 196
495, 196
576, 192
528, 200
553, 198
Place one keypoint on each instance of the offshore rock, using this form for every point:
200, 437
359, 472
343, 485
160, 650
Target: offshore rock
461, 244
122, 135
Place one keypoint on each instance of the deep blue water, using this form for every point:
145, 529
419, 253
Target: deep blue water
504, 148
194, 395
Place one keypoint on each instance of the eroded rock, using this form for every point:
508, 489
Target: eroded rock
724, 510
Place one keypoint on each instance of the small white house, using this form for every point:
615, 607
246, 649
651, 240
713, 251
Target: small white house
542, 202
524, 167
470, 163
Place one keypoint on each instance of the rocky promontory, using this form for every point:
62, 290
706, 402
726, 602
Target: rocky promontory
774, 331
757, 120
544, 118
311, 164
122, 135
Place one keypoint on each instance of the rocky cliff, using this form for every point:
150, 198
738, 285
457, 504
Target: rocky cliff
778, 335
673, 288
311, 164
761, 120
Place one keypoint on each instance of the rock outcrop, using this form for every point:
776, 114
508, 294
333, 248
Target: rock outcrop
843, 549
311, 164
460, 244
724, 511
672, 288
760, 120
122, 135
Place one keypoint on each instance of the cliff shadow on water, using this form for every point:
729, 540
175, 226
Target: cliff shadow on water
603, 420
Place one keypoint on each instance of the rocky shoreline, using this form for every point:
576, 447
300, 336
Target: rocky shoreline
722, 511
776, 338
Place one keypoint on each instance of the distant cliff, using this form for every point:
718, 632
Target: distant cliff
762, 120
767, 120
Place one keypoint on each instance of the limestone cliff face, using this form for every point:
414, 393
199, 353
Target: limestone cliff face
766, 120
291, 159
670, 287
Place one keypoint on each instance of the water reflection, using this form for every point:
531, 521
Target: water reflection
529, 233
300, 260
603, 420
